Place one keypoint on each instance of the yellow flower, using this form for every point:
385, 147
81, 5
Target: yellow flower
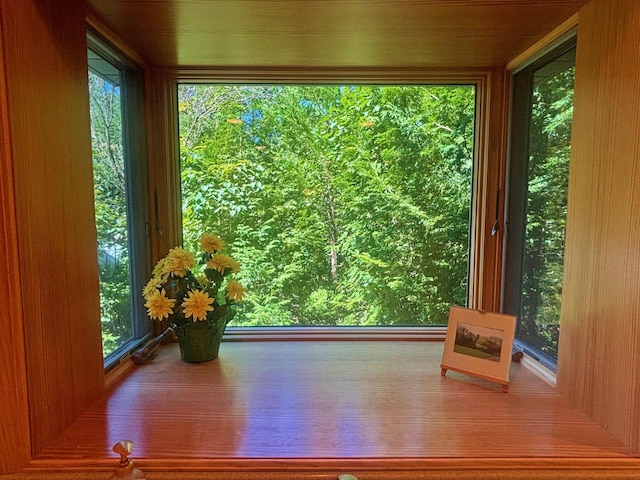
235, 291
197, 304
159, 268
159, 306
178, 261
222, 262
151, 287
211, 243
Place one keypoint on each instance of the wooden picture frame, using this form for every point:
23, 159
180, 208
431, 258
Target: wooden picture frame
479, 344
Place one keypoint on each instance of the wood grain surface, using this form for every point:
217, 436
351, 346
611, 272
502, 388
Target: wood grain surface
599, 349
48, 118
314, 405
311, 406
14, 421
328, 33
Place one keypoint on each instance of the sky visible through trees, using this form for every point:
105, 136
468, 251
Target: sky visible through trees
345, 205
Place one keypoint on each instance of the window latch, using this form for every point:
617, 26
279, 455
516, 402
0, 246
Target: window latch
494, 229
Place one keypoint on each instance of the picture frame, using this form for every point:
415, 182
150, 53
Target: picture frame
479, 344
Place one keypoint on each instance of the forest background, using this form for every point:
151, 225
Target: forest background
345, 205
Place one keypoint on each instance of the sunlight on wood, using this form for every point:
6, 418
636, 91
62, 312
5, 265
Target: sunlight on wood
355, 400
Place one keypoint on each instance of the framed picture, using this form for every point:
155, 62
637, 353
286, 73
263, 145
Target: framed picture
479, 344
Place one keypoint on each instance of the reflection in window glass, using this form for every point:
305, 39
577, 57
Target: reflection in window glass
546, 203
345, 205
110, 205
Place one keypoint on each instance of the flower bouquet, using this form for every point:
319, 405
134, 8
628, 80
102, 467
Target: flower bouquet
191, 295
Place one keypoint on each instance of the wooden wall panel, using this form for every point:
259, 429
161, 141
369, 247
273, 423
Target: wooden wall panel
14, 427
599, 364
46, 67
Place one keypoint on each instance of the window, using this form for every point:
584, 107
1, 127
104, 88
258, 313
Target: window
118, 165
537, 207
345, 205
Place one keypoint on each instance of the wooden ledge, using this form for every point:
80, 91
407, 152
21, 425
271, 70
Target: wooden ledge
364, 469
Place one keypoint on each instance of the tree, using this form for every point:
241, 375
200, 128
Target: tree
346, 205
111, 212
550, 147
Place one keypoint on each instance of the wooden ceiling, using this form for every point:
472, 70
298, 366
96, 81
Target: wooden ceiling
331, 33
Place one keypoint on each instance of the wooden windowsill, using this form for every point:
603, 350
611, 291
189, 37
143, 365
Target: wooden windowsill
265, 334
313, 409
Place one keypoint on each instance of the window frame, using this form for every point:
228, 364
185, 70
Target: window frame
132, 91
488, 179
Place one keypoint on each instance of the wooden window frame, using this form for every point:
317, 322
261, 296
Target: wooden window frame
487, 183
135, 152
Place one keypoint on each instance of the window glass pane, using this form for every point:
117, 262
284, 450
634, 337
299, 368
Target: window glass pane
345, 205
110, 204
547, 174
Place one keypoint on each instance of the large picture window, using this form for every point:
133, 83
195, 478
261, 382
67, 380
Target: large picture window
118, 165
539, 173
346, 205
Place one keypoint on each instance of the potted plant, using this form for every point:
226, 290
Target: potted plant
196, 296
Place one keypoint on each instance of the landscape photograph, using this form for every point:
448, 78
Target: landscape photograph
478, 341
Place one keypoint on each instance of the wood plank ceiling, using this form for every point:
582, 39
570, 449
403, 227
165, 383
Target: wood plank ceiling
331, 33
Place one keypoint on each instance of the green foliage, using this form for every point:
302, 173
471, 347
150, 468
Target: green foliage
115, 306
550, 146
345, 205
111, 213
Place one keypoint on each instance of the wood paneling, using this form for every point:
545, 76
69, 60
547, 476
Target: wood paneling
599, 362
556, 36
46, 74
329, 33
14, 420
50, 242
333, 406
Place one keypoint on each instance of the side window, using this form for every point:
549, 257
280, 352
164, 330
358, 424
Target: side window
116, 105
537, 203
